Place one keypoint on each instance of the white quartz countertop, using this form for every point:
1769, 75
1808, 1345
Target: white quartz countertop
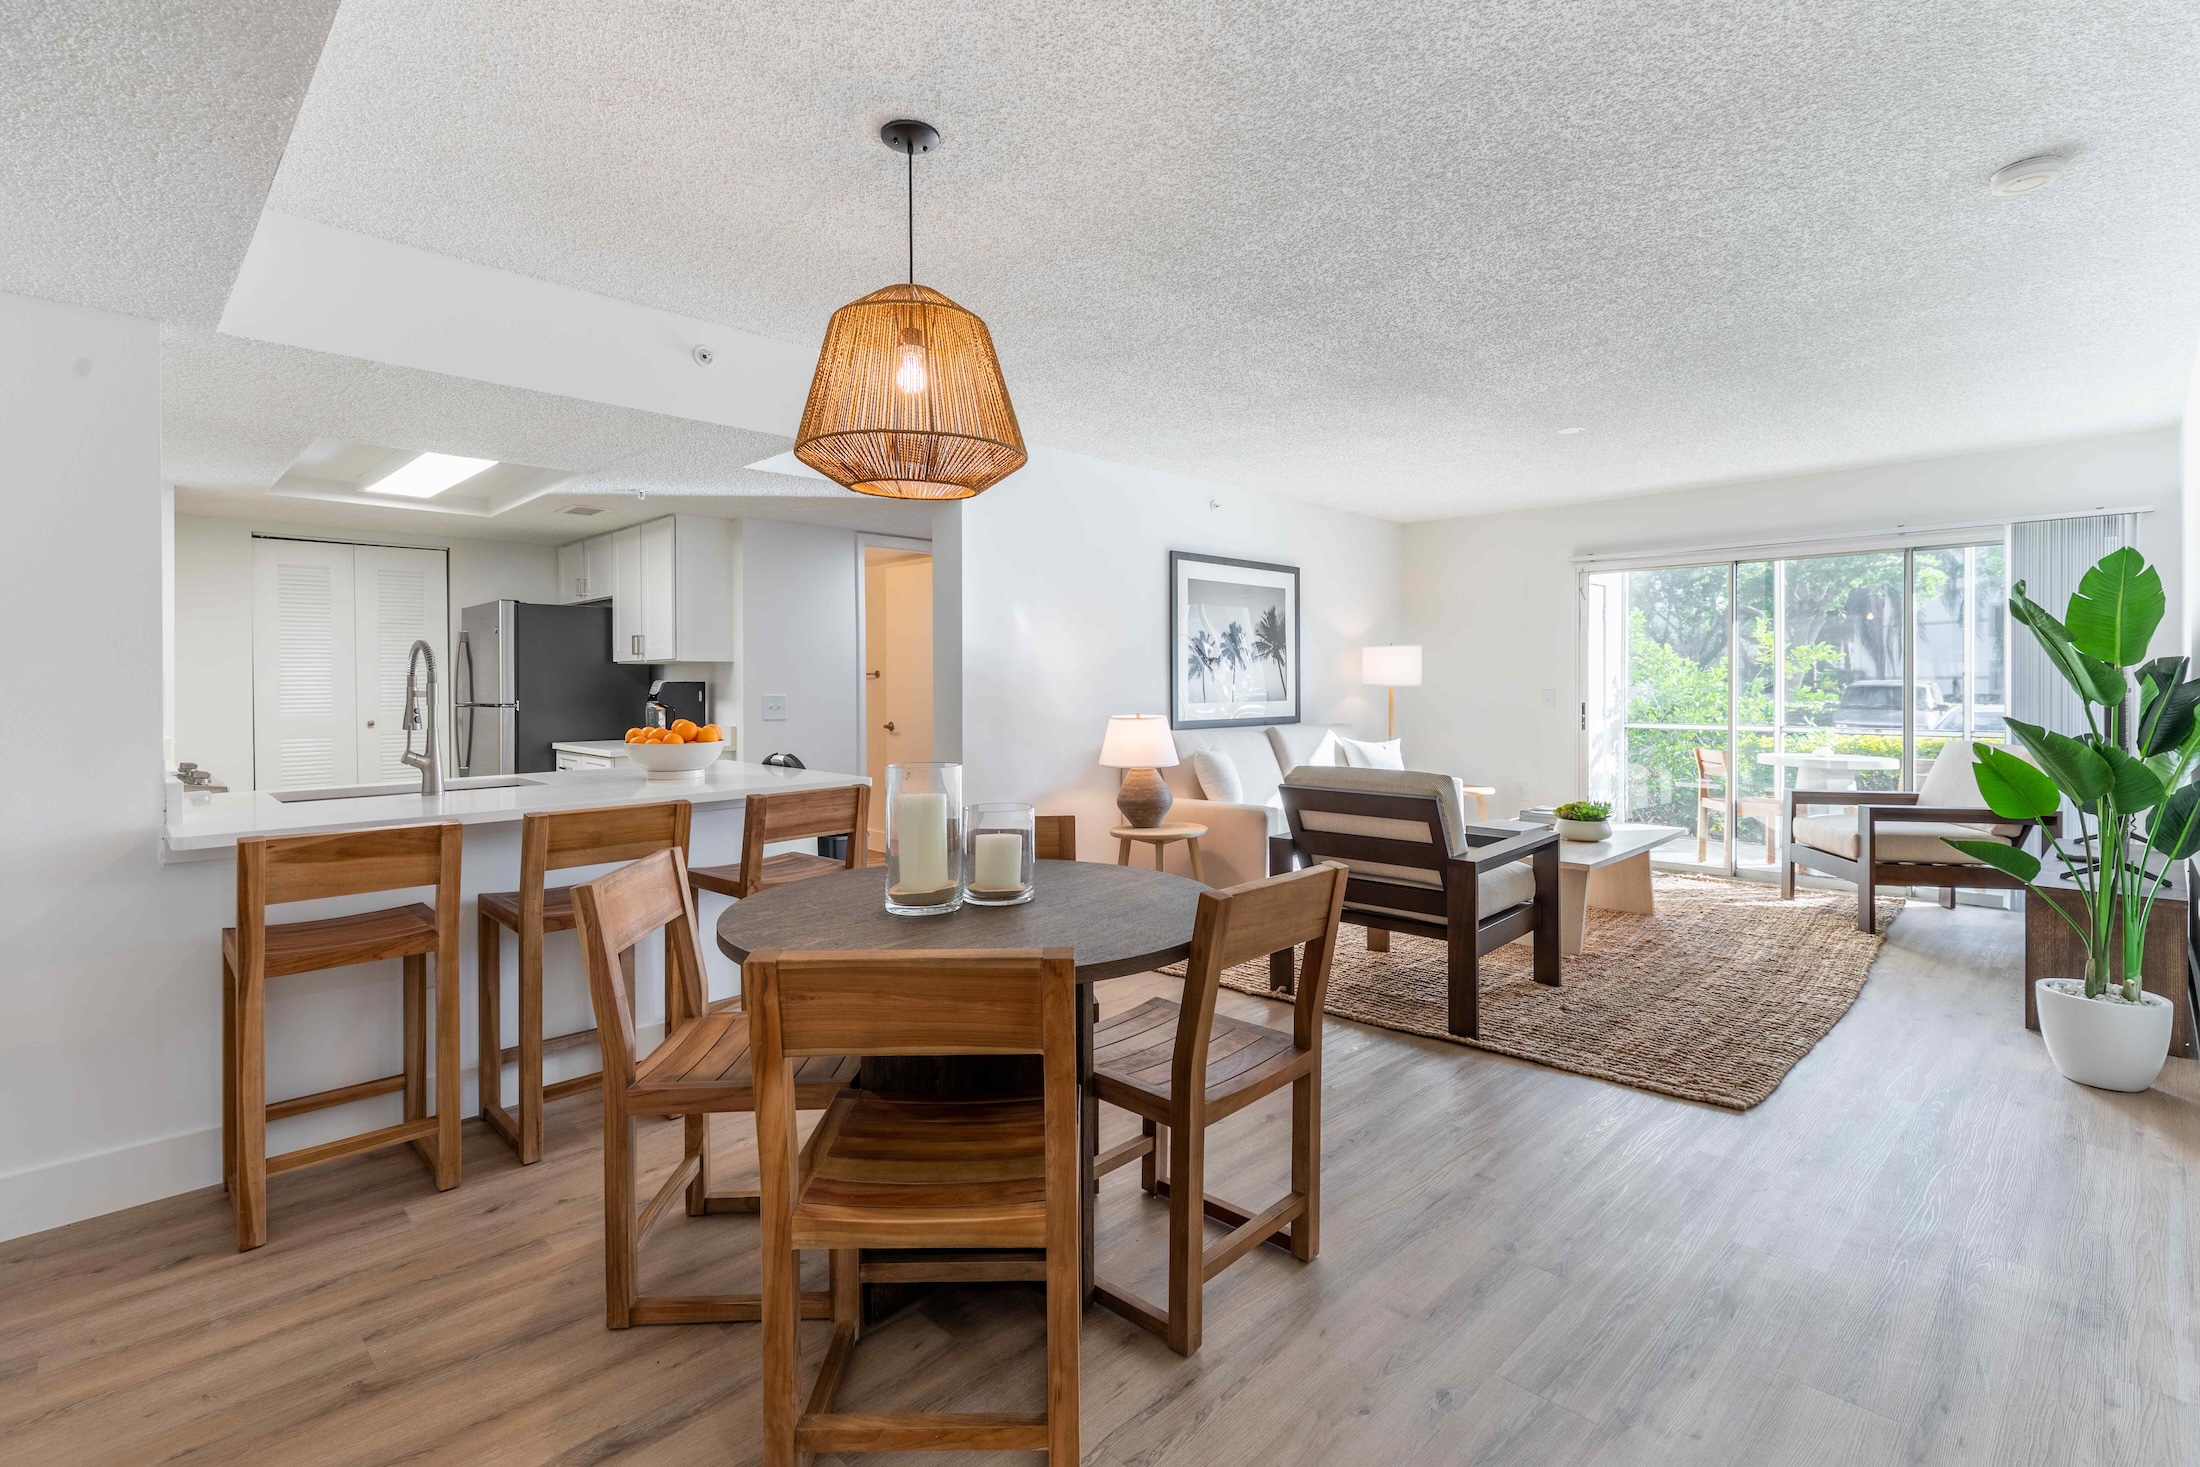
210, 825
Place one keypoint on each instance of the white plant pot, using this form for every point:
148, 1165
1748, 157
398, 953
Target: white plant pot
1584, 829
2103, 1042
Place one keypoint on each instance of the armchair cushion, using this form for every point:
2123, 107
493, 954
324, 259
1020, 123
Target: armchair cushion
1496, 890
1952, 784
1921, 842
1450, 802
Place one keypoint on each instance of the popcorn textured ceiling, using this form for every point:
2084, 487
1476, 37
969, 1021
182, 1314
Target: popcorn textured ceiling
1373, 254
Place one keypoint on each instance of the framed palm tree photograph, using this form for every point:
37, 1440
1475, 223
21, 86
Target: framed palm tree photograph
1233, 642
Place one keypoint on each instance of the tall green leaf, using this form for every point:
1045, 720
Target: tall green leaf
2118, 605
2166, 705
2136, 786
2075, 764
2018, 863
2014, 788
2175, 830
2094, 680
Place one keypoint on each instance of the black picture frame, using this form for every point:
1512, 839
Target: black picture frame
1222, 665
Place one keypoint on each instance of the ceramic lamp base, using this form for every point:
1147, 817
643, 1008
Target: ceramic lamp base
1144, 799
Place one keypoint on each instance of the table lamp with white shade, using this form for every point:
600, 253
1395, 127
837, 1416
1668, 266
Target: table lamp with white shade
1140, 746
1393, 666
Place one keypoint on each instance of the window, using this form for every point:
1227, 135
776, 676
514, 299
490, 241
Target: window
1713, 690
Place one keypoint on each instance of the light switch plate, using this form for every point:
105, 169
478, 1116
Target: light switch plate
775, 707
1550, 697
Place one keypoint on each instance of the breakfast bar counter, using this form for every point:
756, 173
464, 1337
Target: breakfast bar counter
208, 826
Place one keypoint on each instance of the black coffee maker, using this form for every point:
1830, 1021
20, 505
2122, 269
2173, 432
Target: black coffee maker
671, 701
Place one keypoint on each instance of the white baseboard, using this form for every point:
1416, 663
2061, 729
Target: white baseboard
57, 1193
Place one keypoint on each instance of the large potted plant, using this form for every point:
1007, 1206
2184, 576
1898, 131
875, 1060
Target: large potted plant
2129, 777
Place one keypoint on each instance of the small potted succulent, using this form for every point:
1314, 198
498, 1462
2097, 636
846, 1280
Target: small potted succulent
1584, 820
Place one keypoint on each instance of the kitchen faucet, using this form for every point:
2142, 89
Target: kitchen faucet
427, 761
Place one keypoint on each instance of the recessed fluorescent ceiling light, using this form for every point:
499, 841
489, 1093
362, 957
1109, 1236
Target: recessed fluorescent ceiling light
1569, 432
429, 475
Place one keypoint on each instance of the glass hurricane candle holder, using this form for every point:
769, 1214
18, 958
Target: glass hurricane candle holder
1002, 845
924, 844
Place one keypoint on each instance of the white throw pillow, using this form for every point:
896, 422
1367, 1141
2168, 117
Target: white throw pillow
1217, 774
1362, 754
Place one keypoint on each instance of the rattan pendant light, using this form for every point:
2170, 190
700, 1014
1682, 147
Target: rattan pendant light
908, 401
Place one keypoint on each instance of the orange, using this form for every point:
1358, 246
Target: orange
710, 733
633, 735
684, 727
675, 737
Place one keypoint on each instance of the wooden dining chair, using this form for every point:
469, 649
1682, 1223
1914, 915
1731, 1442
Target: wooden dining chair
1182, 1067
1712, 778
795, 815
884, 1171
274, 871
1054, 837
701, 1069
553, 842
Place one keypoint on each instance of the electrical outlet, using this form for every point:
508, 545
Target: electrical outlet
775, 707
1550, 697
1520, 789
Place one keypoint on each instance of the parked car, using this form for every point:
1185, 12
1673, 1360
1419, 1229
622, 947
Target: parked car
1876, 703
1988, 721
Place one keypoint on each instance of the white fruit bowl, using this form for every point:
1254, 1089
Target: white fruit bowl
676, 761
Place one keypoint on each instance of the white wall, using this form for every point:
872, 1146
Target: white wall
799, 638
213, 622
1064, 606
1493, 598
94, 974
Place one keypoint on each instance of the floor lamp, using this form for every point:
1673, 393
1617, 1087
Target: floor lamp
1391, 666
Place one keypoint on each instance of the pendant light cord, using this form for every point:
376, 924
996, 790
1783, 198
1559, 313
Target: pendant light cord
909, 150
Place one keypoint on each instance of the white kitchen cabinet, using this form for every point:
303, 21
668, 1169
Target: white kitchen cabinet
572, 572
599, 569
672, 599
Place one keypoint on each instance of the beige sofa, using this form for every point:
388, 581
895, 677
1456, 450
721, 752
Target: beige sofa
1242, 808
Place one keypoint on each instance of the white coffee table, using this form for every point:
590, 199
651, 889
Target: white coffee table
1613, 874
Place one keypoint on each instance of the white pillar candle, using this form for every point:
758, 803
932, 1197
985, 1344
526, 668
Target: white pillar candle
920, 841
999, 861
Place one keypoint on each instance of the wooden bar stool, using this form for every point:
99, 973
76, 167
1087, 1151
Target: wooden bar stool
701, 1069
273, 871
1181, 1068
797, 815
547, 843
898, 1172
1054, 837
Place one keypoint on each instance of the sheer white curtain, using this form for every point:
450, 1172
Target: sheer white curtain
2051, 557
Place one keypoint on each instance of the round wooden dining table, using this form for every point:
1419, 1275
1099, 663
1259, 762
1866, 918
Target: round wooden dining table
1119, 920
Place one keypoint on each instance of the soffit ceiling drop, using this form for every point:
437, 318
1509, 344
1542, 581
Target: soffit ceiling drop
1375, 255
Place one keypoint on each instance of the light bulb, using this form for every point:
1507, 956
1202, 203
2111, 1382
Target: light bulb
909, 377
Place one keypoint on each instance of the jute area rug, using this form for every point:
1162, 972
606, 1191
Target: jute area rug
1713, 998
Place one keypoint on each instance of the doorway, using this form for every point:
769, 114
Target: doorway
897, 664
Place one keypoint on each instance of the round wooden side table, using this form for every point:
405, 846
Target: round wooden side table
1160, 837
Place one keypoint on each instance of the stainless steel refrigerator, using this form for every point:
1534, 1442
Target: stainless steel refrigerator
529, 676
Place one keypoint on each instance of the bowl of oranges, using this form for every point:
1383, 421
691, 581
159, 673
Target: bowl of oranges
681, 751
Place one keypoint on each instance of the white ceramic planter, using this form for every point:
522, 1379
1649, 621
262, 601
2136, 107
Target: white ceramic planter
1584, 829
2108, 1044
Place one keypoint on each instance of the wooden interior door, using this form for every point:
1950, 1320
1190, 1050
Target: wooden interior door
304, 689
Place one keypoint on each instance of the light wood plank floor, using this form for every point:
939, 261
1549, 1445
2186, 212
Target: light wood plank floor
1924, 1248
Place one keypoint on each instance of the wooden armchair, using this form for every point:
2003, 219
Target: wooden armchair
1713, 779
1416, 868
1897, 838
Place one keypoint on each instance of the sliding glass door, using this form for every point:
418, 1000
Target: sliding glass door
1713, 690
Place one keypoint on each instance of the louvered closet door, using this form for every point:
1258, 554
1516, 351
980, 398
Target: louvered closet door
401, 595
304, 691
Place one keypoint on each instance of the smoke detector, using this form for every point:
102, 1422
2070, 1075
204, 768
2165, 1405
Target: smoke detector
2025, 176
704, 356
